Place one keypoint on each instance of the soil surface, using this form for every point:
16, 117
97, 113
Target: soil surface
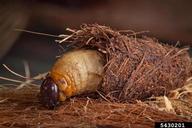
21, 109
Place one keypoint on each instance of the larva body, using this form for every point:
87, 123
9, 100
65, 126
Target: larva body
76, 72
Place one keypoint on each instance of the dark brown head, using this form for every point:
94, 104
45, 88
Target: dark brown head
49, 93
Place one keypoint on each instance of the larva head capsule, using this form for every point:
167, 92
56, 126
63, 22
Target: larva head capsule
49, 93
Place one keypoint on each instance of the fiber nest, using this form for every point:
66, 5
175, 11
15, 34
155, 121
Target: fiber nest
136, 68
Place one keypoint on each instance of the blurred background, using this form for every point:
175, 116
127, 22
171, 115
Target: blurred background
168, 20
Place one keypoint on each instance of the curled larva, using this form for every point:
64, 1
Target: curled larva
76, 72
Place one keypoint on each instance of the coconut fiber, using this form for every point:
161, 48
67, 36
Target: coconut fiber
136, 68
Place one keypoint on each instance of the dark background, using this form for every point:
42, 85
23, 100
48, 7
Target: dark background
168, 20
